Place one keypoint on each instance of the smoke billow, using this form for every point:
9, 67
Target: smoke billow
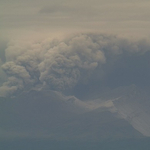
61, 65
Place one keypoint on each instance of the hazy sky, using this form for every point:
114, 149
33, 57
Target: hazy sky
32, 18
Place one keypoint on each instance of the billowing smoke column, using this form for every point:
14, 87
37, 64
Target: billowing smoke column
60, 65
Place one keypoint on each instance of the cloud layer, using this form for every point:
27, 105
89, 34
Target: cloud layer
62, 64
29, 19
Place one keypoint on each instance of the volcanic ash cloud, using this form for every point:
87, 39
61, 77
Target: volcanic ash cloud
62, 64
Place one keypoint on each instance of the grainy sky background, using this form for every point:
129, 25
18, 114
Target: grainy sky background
39, 18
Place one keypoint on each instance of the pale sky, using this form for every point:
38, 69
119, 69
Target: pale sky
35, 18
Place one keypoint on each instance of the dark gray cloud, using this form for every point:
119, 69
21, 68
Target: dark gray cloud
2, 74
71, 11
73, 62
56, 9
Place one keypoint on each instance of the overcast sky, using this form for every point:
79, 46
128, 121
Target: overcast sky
32, 18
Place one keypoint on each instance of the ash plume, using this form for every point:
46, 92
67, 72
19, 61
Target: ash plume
61, 64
